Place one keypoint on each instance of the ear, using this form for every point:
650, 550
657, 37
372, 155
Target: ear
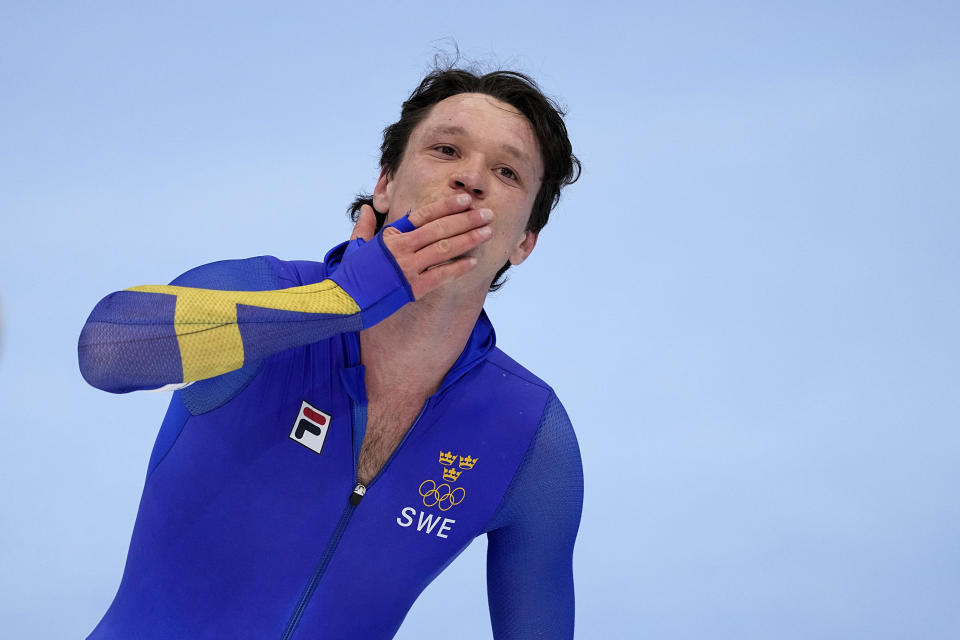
382, 192
527, 243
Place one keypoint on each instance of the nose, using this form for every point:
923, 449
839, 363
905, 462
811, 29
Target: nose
469, 180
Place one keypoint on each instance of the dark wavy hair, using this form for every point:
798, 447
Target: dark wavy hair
560, 166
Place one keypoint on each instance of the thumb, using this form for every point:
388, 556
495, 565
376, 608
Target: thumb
366, 224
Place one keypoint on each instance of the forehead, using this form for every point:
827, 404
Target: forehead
485, 118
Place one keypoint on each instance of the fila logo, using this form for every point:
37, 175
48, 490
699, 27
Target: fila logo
310, 428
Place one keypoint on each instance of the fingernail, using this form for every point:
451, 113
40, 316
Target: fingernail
485, 231
463, 199
486, 214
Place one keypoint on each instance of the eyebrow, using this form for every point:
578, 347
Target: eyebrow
455, 130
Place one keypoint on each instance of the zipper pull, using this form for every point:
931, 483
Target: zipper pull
357, 494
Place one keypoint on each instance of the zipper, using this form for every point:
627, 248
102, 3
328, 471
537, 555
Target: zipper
321, 567
356, 495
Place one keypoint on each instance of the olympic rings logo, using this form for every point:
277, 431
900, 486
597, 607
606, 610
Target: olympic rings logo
441, 496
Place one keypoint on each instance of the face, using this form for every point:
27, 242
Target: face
475, 144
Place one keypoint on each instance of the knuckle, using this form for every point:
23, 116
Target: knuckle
443, 246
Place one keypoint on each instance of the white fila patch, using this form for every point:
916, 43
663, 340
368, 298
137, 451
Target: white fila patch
310, 428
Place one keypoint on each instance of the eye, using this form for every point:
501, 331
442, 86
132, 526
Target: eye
445, 149
508, 173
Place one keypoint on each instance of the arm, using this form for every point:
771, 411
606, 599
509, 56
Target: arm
151, 336
531, 537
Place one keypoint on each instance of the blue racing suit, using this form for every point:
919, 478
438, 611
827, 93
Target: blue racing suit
252, 523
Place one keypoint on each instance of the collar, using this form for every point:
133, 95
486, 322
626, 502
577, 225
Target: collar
482, 340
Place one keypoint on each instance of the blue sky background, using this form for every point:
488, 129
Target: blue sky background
749, 303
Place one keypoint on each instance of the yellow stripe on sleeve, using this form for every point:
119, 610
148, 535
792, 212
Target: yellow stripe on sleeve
206, 326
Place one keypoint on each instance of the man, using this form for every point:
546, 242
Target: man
343, 430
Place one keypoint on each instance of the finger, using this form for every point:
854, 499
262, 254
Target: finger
448, 227
394, 239
449, 248
430, 280
439, 208
366, 224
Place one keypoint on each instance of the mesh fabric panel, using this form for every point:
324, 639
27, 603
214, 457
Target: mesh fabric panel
122, 335
208, 328
213, 320
253, 274
531, 536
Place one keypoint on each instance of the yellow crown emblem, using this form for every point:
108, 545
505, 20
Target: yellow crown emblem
451, 474
447, 458
466, 462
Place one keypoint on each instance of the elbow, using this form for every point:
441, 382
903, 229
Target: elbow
100, 362
123, 347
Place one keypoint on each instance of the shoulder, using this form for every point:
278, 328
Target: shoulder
510, 367
554, 441
547, 487
548, 405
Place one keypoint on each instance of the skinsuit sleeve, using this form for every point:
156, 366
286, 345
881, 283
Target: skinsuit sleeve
201, 326
531, 536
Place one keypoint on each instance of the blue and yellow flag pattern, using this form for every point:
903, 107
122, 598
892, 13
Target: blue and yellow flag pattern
207, 322
153, 335
150, 336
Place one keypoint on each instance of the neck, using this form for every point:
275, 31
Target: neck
411, 351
